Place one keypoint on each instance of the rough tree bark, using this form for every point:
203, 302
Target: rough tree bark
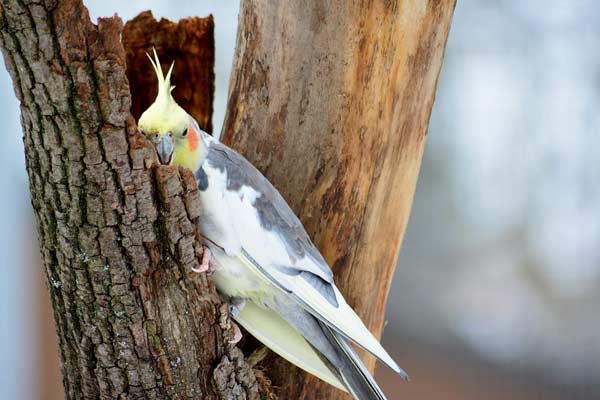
331, 101
117, 233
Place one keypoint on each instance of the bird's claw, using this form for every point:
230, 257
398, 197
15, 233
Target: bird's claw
207, 264
236, 305
237, 334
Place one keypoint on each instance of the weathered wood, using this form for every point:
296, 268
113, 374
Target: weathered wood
190, 44
117, 234
331, 101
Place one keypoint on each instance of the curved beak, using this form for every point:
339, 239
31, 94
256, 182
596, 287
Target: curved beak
164, 149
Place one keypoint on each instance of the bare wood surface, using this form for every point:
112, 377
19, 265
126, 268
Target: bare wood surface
46, 362
331, 101
190, 44
117, 234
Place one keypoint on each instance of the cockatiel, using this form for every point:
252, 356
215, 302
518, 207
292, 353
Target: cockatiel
280, 287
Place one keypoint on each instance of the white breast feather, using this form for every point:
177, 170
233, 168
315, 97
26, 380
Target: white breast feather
234, 212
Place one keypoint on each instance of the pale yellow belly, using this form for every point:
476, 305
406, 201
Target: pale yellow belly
234, 279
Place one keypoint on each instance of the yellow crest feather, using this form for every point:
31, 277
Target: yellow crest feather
164, 82
164, 115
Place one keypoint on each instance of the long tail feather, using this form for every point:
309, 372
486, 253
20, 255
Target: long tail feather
351, 369
278, 335
334, 349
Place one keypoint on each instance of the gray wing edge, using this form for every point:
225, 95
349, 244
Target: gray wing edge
353, 372
317, 315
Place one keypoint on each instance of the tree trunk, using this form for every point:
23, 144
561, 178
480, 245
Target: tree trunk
331, 101
117, 234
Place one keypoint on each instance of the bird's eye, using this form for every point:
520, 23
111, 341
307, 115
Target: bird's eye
184, 132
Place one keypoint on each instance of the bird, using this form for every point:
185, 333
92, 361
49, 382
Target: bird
263, 262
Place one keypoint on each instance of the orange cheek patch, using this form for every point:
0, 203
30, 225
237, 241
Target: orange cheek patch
192, 138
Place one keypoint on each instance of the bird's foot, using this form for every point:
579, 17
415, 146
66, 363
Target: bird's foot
237, 334
208, 263
236, 305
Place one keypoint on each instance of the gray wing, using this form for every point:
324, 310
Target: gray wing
302, 272
335, 351
273, 211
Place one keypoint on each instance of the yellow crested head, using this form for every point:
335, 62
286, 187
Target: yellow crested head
171, 129
164, 115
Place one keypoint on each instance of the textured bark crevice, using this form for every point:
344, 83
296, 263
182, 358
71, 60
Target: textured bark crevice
118, 234
331, 101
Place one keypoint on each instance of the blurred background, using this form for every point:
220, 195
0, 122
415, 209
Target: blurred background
497, 291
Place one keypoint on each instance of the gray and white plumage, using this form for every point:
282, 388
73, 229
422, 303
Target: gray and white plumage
280, 287
266, 257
